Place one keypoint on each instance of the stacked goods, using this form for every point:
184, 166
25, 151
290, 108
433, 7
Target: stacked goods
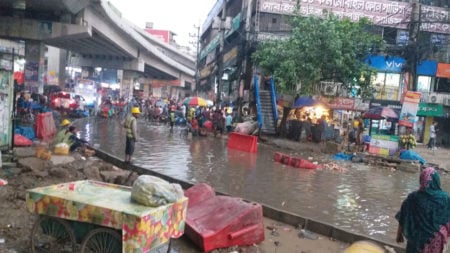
408, 141
43, 153
61, 149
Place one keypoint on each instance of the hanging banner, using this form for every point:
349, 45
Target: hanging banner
6, 100
409, 109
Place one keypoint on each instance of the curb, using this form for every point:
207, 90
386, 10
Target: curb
268, 211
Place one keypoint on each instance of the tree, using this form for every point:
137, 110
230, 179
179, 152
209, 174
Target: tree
319, 49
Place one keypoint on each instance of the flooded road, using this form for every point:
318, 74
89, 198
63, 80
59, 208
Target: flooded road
362, 200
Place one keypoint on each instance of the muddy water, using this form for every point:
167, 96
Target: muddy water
362, 200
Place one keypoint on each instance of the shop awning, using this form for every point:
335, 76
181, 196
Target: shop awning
443, 70
433, 110
427, 68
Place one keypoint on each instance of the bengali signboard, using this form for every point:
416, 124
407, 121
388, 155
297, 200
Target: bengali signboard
380, 12
339, 103
409, 109
433, 110
383, 144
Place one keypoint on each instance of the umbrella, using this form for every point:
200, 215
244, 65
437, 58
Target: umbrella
194, 101
380, 112
304, 101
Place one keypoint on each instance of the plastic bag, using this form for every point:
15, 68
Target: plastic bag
153, 191
21, 141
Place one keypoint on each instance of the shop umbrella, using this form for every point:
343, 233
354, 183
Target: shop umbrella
380, 112
304, 101
194, 101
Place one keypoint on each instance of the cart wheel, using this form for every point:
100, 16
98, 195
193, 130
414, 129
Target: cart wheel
52, 235
164, 248
102, 240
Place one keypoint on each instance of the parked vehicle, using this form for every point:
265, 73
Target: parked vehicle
67, 102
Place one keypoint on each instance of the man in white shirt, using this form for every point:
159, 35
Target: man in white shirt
432, 141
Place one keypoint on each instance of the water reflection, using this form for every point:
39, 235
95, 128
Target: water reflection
362, 200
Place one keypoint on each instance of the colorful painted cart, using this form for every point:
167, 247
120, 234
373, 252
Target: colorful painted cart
90, 216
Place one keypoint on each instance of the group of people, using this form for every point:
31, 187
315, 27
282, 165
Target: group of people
199, 120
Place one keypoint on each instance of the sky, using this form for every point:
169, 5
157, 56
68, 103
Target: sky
178, 16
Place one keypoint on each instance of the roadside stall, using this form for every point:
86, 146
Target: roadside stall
307, 111
383, 140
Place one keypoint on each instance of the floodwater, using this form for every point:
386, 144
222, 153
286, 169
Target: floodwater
363, 199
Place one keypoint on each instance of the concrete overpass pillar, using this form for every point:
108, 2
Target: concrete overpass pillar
34, 66
126, 84
56, 66
146, 89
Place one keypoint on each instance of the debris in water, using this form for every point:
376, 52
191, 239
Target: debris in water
307, 234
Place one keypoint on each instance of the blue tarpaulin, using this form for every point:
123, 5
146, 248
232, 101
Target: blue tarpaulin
25, 131
411, 155
342, 157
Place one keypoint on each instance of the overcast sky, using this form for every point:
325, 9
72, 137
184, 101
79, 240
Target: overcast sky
178, 16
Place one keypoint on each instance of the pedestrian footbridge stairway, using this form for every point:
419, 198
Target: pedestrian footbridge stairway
266, 107
268, 120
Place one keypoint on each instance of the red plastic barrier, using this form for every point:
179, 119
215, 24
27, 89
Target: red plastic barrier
243, 142
277, 157
285, 159
305, 164
45, 126
21, 141
198, 193
222, 221
296, 162
293, 161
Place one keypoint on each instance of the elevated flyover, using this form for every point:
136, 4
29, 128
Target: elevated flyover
96, 35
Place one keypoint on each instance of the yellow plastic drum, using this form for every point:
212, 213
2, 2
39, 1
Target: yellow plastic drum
364, 247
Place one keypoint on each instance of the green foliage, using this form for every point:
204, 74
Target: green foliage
318, 49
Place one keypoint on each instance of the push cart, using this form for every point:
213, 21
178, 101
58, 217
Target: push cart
92, 217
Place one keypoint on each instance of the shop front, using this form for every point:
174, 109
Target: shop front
426, 115
387, 82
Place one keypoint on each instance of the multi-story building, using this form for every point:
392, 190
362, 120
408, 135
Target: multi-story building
234, 27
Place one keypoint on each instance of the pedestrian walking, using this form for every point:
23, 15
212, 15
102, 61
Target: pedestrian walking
172, 118
424, 216
307, 126
323, 127
229, 122
131, 127
433, 131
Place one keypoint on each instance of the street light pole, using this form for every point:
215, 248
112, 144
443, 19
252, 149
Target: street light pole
220, 56
197, 56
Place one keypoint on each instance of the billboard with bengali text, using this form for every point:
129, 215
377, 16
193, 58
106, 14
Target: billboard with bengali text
380, 12
409, 109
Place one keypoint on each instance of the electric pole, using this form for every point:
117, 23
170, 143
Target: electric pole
412, 50
222, 30
196, 43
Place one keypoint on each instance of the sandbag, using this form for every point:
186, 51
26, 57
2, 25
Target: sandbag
247, 127
153, 191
